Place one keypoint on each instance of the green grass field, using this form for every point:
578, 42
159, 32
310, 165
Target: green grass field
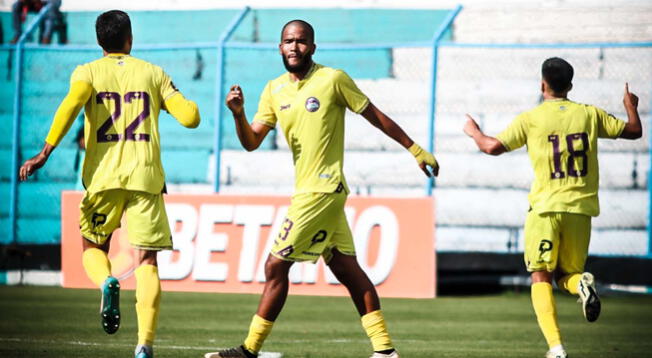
57, 322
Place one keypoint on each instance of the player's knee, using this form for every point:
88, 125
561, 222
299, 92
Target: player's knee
148, 257
541, 276
276, 269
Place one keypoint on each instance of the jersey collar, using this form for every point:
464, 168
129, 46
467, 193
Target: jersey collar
312, 70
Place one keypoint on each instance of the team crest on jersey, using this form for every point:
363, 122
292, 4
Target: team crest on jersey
312, 104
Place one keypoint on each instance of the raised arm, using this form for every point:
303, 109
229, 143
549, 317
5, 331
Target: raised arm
633, 128
250, 135
381, 121
78, 95
485, 143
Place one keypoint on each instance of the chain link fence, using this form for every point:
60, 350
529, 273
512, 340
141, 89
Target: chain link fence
482, 200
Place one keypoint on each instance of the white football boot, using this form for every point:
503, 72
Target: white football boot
394, 354
589, 297
557, 354
236, 352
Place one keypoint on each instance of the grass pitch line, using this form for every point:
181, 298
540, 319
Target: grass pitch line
104, 344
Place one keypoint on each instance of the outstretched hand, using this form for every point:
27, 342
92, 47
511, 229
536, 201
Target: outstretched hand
235, 100
31, 165
471, 126
630, 100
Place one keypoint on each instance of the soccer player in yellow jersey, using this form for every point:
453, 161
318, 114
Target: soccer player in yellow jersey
122, 172
309, 101
562, 142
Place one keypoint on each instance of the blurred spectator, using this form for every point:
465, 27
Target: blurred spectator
53, 20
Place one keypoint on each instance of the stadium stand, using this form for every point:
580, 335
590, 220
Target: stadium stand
481, 201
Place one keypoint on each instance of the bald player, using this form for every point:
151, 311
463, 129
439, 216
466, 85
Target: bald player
122, 174
562, 142
309, 102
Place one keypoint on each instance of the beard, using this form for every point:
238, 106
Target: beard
302, 66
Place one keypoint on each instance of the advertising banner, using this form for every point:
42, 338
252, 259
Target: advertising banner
221, 243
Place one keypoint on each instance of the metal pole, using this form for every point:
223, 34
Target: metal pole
448, 21
15, 143
649, 186
219, 82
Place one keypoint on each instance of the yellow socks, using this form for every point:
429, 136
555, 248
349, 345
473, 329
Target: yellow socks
148, 299
97, 265
258, 331
570, 282
544, 307
374, 324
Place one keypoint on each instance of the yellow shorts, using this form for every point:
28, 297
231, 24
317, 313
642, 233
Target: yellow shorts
556, 241
315, 224
147, 221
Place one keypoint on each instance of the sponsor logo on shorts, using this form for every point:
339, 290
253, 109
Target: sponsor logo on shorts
544, 246
320, 236
312, 104
98, 219
284, 107
286, 251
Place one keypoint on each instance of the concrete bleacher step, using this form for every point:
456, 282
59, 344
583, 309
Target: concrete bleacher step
36, 198
473, 207
398, 168
620, 209
525, 22
32, 231
461, 143
511, 240
185, 165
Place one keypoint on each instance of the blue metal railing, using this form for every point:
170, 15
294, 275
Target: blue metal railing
436, 39
649, 187
219, 82
15, 144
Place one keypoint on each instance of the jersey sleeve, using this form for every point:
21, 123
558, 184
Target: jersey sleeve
515, 135
265, 114
608, 125
78, 95
348, 93
167, 87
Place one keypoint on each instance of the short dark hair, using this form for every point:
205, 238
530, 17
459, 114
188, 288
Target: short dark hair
557, 73
305, 25
113, 29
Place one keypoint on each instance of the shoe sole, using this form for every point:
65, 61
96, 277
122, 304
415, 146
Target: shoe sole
591, 306
110, 307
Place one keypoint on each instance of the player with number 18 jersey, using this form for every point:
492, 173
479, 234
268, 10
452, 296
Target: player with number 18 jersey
562, 141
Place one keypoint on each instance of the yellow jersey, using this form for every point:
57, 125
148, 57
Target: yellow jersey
311, 115
123, 148
562, 142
